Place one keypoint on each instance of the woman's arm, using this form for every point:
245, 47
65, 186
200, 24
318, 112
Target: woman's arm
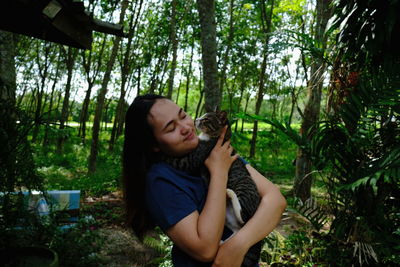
197, 234
266, 218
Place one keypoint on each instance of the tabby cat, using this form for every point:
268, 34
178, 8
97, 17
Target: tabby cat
243, 197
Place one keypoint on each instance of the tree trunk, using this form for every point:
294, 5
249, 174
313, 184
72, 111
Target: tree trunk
8, 127
43, 73
242, 87
294, 95
188, 78
228, 48
46, 131
212, 94
21, 96
260, 95
180, 83
174, 42
84, 114
125, 70
245, 110
101, 96
90, 78
201, 97
156, 72
58, 101
7, 67
231, 94
138, 81
71, 57
105, 114
161, 84
303, 178
266, 26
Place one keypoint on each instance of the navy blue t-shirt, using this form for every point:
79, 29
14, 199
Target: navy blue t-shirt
171, 195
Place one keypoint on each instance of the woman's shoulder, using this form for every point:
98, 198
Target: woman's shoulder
160, 168
161, 171
165, 173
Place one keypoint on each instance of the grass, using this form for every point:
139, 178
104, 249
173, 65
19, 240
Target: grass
69, 170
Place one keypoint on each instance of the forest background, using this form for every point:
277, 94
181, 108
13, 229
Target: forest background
311, 87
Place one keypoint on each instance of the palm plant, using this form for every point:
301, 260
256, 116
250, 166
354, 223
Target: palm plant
360, 142
357, 146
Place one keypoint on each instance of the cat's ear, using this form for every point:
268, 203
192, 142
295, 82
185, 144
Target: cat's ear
223, 116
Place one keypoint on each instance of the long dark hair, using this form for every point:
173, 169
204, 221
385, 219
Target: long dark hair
137, 157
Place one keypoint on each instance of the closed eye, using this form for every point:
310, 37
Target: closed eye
183, 114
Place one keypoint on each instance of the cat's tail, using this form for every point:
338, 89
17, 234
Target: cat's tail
237, 209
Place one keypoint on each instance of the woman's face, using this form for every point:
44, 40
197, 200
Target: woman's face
173, 129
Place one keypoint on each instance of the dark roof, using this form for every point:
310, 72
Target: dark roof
61, 21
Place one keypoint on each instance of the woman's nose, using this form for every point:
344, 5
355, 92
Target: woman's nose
184, 128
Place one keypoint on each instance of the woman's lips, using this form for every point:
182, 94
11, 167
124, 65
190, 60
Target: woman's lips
190, 136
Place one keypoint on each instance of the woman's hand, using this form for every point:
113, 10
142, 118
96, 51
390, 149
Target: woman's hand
231, 253
220, 159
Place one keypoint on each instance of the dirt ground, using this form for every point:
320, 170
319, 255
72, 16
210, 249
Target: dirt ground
122, 249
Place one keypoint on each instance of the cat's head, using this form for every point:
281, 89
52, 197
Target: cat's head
212, 123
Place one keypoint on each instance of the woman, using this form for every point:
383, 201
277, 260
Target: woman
188, 211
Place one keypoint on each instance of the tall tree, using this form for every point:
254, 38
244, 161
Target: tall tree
43, 61
188, 77
212, 94
102, 94
70, 57
126, 71
92, 61
227, 48
303, 178
91, 71
8, 134
174, 41
52, 96
7, 67
266, 23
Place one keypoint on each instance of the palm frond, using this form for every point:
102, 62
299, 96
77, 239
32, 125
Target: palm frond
364, 252
283, 128
312, 212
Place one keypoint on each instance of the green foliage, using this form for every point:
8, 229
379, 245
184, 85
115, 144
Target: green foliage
163, 245
68, 171
75, 246
368, 31
304, 248
361, 151
17, 167
274, 153
311, 211
79, 245
106, 213
358, 149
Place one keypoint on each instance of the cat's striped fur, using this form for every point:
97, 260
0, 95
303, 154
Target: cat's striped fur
240, 186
